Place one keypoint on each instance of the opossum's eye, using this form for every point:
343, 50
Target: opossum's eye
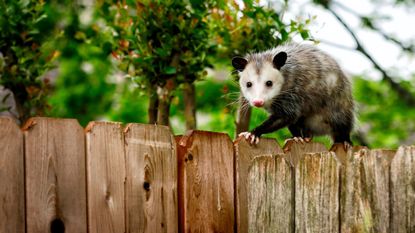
268, 83
248, 84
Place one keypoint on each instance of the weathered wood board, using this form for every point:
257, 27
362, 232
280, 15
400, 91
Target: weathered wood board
365, 191
244, 156
55, 175
295, 151
12, 206
206, 181
105, 177
151, 184
317, 193
270, 188
403, 190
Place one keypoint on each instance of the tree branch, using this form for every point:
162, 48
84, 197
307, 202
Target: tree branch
368, 23
403, 93
340, 46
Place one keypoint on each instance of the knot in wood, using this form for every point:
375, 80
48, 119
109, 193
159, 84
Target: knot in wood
57, 226
146, 186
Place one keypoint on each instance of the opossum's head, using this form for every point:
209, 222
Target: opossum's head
260, 78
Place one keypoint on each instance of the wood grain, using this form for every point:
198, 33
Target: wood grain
55, 175
105, 177
296, 150
403, 190
365, 191
244, 156
270, 188
207, 191
317, 193
12, 206
151, 185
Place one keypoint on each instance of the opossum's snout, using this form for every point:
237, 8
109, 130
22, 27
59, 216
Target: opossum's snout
258, 102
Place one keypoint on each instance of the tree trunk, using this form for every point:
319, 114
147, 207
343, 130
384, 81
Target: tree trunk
164, 111
20, 97
243, 117
190, 105
153, 107
164, 100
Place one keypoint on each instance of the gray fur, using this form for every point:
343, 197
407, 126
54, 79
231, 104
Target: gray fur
315, 96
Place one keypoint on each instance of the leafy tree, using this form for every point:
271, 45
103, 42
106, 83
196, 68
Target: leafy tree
163, 44
22, 60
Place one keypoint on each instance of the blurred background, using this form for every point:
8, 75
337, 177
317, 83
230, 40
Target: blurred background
168, 62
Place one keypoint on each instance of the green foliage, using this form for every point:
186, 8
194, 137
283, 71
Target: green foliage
129, 104
85, 90
22, 61
163, 40
214, 105
387, 120
240, 30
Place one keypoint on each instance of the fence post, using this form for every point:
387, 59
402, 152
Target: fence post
105, 177
403, 190
206, 190
151, 185
55, 175
12, 211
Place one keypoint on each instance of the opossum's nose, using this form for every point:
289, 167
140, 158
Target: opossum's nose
258, 102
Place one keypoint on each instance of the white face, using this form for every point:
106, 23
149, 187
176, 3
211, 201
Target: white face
260, 89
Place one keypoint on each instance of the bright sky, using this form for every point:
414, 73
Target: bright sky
387, 54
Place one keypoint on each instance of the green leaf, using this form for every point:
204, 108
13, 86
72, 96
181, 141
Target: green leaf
304, 35
170, 70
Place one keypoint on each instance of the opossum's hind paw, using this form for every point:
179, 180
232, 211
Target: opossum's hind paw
308, 139
250, 137
288, 142
298, 140
346, 146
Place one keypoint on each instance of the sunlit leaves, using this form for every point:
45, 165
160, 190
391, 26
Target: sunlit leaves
385, 119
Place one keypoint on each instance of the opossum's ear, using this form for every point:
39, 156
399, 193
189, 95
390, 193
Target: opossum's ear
239, 63
279, 60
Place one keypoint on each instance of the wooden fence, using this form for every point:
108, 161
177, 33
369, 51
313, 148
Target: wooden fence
58, 177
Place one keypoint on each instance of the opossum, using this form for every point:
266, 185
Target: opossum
301, 87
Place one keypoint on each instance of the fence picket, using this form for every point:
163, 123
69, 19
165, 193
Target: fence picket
364, 193
270, 190
317, 193
12, 211
105, 177
403, 190
206, 182
151, 185
55, 175
244, 156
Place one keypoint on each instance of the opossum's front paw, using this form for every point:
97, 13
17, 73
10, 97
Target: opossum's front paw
252, 138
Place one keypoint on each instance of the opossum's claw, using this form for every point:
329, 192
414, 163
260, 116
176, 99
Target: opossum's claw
298, 140
253, 140
246, 135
